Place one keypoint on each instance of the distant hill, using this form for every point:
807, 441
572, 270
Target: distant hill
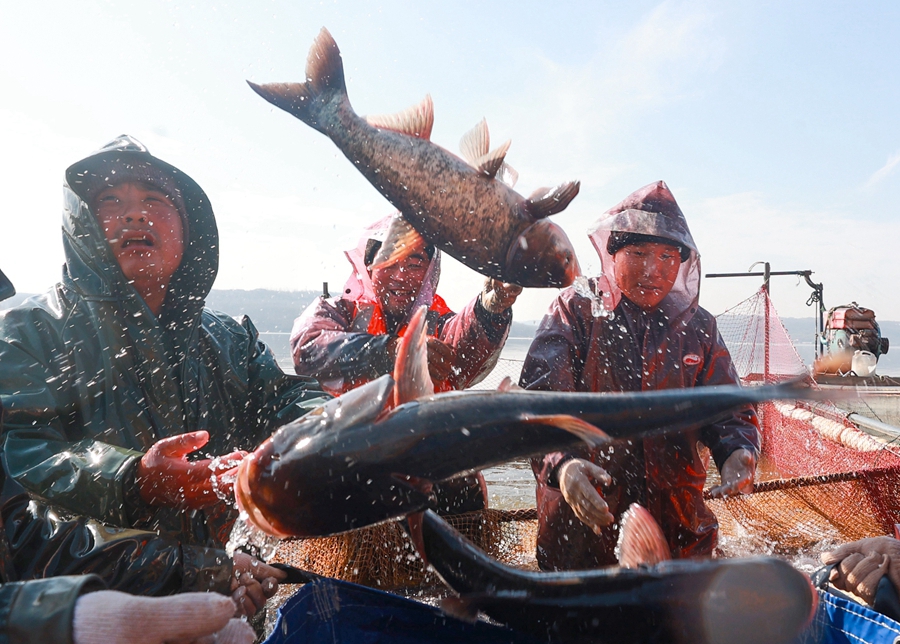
523, 329
275, 311
271, 311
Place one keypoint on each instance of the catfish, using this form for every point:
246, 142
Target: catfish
372, 454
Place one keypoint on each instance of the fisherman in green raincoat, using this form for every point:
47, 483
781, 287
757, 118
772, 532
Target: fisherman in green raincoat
112, 378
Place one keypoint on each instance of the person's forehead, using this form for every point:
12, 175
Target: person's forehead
143, 186
653, 246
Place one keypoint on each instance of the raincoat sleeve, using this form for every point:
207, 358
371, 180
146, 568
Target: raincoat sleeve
741, 429
38, 543
477, 338
44, 444
276, 398
37, 612
324, 346
554, 362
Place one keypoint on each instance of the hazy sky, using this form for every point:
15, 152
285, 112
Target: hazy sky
776, 125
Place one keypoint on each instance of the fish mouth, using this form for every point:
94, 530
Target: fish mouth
245, 502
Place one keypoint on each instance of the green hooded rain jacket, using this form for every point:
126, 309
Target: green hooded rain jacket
90, 378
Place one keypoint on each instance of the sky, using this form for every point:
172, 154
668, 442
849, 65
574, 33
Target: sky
774, 124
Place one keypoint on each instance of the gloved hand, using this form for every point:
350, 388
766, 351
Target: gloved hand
441, 357
497, 296
862, 564
112, 617
738, 472
165, 477
575, 483
253, 583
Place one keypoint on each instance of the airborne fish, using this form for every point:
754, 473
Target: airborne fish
459, 206
356, 461
688, 601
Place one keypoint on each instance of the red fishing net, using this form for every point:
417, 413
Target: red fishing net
823, 480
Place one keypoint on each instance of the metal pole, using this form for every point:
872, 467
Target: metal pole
888, 431
816, 296
766, 345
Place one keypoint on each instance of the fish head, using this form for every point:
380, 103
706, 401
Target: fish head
271, 477
542, 256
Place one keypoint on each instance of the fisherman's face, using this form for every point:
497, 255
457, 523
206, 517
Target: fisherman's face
144, 230
646, 272
396, 286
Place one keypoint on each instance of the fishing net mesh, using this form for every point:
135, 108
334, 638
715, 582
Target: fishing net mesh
383, 556
821, 481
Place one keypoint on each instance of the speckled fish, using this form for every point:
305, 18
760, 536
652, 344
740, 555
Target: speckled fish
693, 601
460, 206
356, 461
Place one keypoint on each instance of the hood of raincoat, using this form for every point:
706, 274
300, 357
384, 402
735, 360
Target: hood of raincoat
91, 268
359, 288
651, 210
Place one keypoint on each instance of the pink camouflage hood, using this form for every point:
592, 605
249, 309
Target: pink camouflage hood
651, 210
358, 287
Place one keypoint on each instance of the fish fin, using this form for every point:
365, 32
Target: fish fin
475, 143
400, 240
414, 530
411, 378
475, 147
641, 540
590, 434
491, 162
460, 608
544, 202
324, 74
416, 121
508, 385
508, 175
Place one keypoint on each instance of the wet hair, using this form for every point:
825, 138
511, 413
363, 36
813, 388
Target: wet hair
619, 240
373, 246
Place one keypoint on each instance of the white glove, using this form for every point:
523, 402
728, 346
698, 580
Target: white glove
576, 482
861, 565
738, 472
111, 617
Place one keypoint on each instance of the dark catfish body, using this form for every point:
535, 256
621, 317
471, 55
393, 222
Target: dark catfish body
460, 207
723, 601
348, 465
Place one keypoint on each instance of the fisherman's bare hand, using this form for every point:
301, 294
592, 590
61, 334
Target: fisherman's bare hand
497, 296
576, 482
861, 565
441, 358
738, 473
166, 478
253, 583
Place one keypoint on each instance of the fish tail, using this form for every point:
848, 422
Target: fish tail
641, 540
324, 81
